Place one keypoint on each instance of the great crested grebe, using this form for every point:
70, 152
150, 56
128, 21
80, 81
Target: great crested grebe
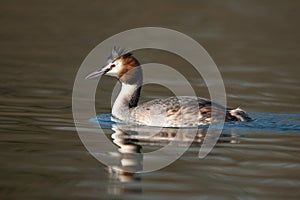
126, 68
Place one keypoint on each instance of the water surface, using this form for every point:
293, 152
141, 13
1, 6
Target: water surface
256, 47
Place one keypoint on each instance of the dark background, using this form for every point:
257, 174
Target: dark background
254, 43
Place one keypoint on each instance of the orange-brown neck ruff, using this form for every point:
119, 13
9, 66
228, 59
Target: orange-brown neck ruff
129, 72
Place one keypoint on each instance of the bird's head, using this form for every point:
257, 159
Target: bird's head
121, 65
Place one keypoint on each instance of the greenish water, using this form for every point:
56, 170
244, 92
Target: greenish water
256, 47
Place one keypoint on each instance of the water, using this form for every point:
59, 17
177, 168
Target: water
255, 45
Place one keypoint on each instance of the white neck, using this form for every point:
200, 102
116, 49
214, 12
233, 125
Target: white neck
128, 97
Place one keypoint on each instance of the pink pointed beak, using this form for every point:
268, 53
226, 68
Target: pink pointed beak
97, 73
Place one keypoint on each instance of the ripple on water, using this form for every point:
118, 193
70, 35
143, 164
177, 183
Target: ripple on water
262, 122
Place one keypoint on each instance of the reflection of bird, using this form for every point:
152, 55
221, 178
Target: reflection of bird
170, 112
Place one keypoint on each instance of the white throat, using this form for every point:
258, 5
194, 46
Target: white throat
128, 97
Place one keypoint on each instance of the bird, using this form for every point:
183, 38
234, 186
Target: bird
175, 111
